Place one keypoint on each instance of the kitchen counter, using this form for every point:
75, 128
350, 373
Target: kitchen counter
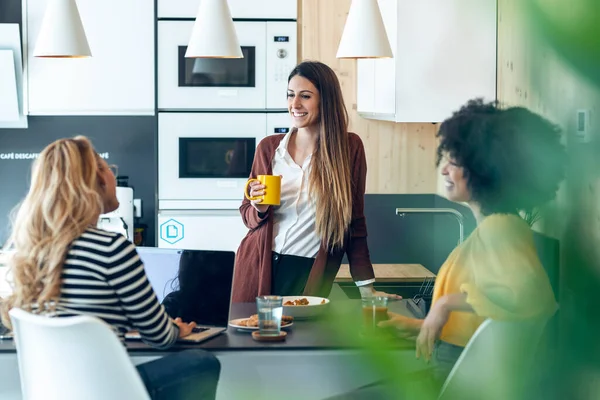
390, 273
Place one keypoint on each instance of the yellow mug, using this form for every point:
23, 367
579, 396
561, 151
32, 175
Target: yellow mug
272, 196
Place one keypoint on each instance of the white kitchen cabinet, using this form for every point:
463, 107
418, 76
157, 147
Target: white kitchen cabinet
119, 77
444, 54
201, 229
242, 9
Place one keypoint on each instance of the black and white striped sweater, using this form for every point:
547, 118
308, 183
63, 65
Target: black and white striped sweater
104, 277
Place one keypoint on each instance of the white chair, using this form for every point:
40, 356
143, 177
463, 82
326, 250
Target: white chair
73, 358
497, 362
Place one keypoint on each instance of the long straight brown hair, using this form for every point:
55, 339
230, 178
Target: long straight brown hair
330, 182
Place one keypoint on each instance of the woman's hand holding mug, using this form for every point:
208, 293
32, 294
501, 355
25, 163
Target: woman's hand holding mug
257, 189
265, 191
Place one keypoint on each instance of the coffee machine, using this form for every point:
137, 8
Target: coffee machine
120, 220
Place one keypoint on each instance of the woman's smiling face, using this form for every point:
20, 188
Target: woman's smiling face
455, 181
303, 102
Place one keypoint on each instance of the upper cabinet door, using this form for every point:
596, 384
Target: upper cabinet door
444, 55
119, 77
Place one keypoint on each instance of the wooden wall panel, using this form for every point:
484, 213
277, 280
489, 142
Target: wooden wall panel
400, 157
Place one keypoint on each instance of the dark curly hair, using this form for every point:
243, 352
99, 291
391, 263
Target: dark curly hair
513, 159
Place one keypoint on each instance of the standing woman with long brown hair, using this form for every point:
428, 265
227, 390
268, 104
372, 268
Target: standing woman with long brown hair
297, 247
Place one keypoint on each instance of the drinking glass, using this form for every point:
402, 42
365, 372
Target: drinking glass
374, 309
270, 310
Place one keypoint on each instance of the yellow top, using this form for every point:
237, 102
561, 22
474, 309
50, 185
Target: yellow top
499, 270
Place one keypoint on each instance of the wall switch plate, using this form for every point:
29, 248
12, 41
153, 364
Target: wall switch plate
583, 128
137, 208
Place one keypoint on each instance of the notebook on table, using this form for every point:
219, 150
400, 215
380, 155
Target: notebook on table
205, 294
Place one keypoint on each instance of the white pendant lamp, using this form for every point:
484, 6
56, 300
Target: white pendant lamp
214, 34
62, 34
364, 34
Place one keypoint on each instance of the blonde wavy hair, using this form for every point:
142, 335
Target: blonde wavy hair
62, 202
330, 179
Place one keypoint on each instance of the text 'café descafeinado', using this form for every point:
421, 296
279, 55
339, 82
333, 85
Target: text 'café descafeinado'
32, 156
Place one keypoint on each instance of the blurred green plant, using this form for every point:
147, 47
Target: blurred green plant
531, 216
572, 29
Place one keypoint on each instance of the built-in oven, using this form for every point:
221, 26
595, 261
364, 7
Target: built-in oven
205, 158
258, 81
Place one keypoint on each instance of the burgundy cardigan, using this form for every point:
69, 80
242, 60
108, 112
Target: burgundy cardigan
252, 275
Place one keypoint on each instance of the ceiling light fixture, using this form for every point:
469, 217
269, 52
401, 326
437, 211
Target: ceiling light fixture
62, 34
364, 34
214, 34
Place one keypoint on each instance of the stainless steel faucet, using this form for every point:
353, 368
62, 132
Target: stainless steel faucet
451, 211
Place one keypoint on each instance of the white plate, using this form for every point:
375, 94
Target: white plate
235, 323
314, 308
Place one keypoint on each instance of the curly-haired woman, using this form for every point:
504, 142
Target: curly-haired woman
500, 162
64, 266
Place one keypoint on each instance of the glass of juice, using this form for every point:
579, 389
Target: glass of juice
374, 310
270, 310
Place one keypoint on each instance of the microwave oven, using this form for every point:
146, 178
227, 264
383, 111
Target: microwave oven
205, 159
258, 81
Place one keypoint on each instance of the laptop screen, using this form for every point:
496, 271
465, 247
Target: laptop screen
192, 284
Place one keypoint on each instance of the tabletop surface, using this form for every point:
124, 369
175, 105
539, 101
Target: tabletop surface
340, 328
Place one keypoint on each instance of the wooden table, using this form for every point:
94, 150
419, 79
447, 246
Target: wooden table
392, 273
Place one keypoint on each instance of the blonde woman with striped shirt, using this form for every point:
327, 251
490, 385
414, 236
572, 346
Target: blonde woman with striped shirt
64, 266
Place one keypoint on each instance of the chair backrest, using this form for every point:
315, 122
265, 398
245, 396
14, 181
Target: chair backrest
73, 358
497, 362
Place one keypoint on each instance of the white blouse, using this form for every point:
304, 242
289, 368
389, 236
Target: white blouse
294, 220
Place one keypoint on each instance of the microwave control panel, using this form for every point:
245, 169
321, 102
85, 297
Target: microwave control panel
282, 49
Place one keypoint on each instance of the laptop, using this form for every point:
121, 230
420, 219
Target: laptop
202, 295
